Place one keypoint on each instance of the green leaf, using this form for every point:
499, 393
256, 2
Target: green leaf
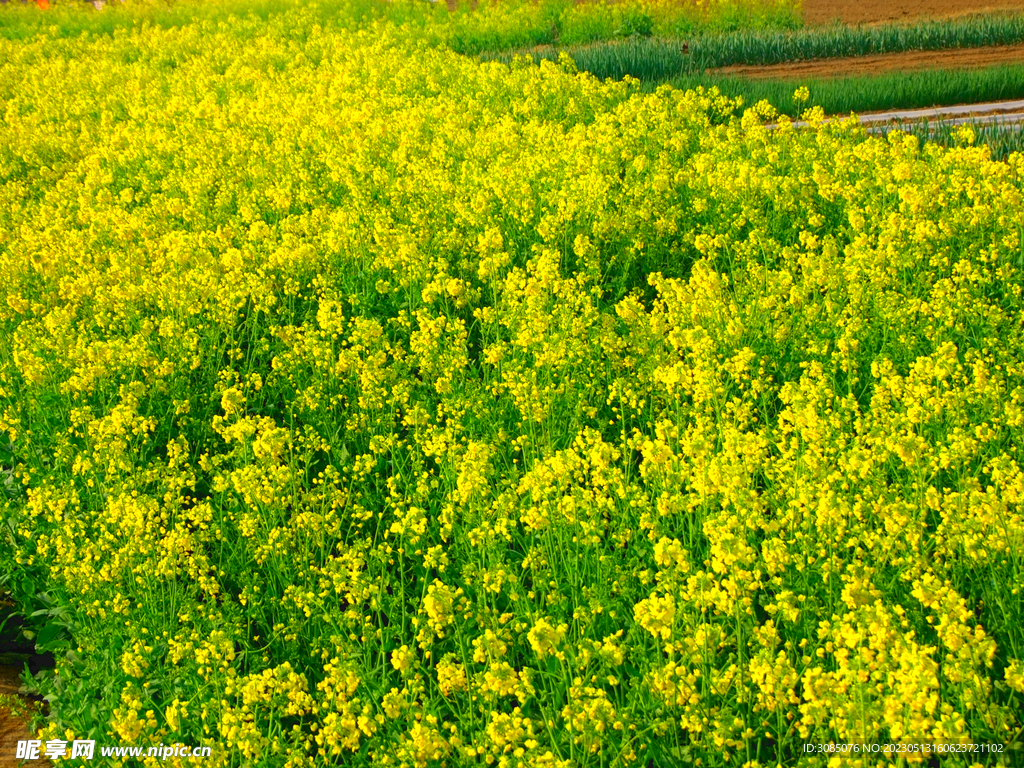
48, 637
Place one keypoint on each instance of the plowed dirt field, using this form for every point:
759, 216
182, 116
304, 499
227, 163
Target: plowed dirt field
966, 58
12, 729
887, 11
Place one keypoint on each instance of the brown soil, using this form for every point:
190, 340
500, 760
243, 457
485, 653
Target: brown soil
964, 58
13, 729
889, 11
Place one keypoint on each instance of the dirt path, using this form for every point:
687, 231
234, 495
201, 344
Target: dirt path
987, 109
13, 729
963, 58
889, 11
1004, 112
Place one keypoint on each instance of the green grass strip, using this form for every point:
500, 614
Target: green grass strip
873, 93
656, 58
469, 28
73, 18
1002, 139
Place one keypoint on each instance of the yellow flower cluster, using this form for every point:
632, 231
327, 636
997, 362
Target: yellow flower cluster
362, 403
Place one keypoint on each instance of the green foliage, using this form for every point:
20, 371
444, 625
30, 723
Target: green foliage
660, 58
363, 404
873, 93
1002, 140
467, 28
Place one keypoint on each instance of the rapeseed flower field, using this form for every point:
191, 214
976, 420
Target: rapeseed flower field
362, 403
